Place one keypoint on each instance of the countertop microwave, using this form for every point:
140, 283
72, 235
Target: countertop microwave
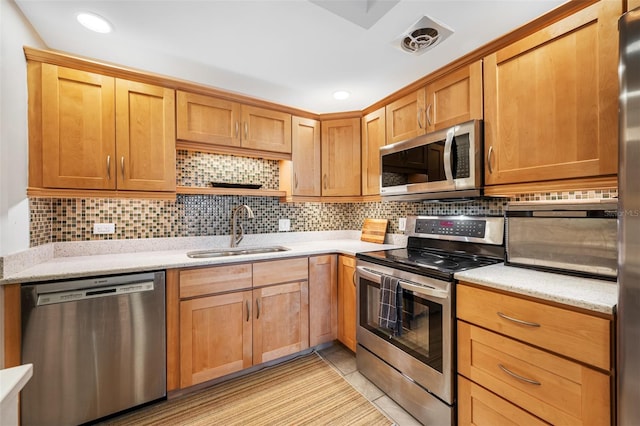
443, 164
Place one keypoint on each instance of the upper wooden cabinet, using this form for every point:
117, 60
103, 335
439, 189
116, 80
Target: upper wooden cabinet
341, 157
373, 137
99, 132
551, 101
454, 98
215, 121
405, 117
305, 157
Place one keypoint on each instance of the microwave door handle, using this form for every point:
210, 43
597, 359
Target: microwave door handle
447, 155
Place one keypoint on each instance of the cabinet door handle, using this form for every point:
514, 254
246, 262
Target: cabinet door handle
428, 114
257, 308
295, 180
108, 167
420, 118
324, 181
248, 310
122, 166
246, 130
519, 377
354, 279
518, 321
489, 159
237, 129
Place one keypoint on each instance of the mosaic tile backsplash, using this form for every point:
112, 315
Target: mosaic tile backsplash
58, 220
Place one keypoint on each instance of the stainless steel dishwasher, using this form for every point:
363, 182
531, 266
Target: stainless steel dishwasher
97, 345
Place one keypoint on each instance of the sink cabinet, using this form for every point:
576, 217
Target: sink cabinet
531, 362
234, 316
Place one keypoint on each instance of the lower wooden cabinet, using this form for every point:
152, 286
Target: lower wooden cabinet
347, 301
323, 299
232, 317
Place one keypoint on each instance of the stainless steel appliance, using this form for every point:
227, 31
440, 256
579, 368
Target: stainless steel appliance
416, 367
579, 238
628, 320
443, 164
97, 347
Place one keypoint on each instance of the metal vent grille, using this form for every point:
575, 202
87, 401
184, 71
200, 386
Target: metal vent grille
425, 34
420, 39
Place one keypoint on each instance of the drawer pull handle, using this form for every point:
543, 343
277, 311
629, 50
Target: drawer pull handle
518, 321
248, 311
519, 377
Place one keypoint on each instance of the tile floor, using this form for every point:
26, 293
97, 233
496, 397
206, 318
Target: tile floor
345, 362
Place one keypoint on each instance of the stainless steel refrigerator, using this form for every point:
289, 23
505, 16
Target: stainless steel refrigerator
628, 383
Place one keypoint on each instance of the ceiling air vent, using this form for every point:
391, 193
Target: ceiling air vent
422, 36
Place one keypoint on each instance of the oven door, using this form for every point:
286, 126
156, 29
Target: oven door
423, 351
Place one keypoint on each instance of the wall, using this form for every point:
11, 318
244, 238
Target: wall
15, 32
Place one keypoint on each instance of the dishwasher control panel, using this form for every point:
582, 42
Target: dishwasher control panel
92, 293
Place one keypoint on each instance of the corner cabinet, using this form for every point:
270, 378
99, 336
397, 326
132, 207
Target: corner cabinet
341, 174
551, 102
91, 131
347, 316
234, 316
217, 122
527, 362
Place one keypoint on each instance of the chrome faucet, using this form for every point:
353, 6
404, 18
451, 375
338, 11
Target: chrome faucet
235, 239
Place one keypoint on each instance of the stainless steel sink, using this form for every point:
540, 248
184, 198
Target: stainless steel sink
235, 251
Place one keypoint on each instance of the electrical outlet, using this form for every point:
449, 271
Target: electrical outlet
104, 228
284, 225
402, 223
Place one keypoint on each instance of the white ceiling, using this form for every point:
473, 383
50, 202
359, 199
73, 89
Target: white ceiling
292, 52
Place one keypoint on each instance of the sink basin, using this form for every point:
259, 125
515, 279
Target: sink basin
237, 251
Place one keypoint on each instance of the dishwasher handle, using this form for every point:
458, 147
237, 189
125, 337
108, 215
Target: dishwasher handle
93, 293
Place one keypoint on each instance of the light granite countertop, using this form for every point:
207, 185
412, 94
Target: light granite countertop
82, 259
591, 294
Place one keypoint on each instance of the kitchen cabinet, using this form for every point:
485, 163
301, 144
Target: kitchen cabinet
347, 316
374, 136
305, 157
323, 299
100, 132
236, 316
405, 117
551, 101
341, 174
220, 122
454, 98
523, 356
633, 4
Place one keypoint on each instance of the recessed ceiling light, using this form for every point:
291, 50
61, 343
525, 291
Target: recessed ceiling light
341, 94
94, 22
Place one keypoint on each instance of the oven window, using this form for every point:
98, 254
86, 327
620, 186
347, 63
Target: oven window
421, 324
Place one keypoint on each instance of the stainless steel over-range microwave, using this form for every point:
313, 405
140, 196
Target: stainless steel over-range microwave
443, 164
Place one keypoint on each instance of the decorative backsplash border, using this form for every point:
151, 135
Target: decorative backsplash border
60, 220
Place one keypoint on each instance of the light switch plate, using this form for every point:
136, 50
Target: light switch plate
104, 228
402, 223
284, 225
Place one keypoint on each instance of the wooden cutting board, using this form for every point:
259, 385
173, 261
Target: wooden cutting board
374, 230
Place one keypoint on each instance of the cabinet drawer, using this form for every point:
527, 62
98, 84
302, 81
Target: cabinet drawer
479, 407
280, 271
553, 388
217, 279
576, 335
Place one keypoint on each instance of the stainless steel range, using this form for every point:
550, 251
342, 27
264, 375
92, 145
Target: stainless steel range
414, 362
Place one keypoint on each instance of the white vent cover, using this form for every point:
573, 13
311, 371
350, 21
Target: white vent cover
425, 34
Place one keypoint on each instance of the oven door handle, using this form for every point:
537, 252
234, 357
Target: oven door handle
407, 285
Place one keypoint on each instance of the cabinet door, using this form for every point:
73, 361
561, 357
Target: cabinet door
455, 98
347, 315
266, 130
215, 336
405, 117
551, 101
323, 299
78, 129
341, 157
374, 136
206, 119
145, 138
281, 321
305, 156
